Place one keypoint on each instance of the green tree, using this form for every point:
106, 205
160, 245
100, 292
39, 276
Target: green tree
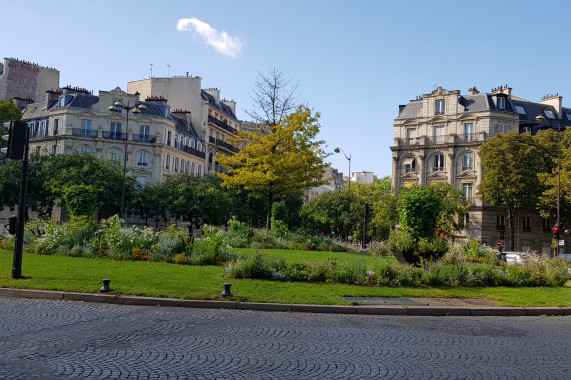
419, 210
270, 165
8, 111
85, 169
80, 200
39, 198
454, 207
511, 165
549, 177
148, 203
190, 197
326, 211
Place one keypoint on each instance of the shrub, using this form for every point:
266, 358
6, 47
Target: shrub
380, 248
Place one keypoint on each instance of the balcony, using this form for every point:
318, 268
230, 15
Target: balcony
86, 133
220, 124
151, 139
114, 135
467, 137
438, 140
194, 152
223, 144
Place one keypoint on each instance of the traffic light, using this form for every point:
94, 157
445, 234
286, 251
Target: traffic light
12, 226
332, 231
16, 139
556, 233
368, 210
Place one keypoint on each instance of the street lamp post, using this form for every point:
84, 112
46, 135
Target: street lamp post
540, 119
136, 110
338, 150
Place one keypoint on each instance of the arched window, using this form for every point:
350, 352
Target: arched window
468, 161
409, 165
84, 149
438, 164
114, 154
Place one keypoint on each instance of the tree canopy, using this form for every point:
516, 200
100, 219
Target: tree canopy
549, 178
287, 160
8, 111
510, 179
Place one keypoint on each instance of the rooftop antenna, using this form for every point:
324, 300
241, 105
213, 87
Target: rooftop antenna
434, 87
169, 70
151, 70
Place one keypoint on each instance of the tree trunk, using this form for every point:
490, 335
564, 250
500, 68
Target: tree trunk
511, 215
269, 213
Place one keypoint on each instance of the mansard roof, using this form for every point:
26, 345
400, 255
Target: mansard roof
411, 109
183, 127
484, 102
218, 105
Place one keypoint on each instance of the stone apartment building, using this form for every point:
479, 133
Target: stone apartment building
158, 142
214, 118
181, 130
437, 138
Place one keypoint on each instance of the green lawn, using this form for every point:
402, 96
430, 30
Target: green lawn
205, 282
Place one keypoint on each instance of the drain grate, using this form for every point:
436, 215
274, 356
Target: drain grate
383, 301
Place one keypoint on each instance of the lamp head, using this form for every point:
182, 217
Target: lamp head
539, 118
136, 110
113, 109
336, 150
119, 104
142, 107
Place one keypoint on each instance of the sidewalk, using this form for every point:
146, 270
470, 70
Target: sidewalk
421, 307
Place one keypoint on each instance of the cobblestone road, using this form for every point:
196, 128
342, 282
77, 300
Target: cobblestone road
47, 339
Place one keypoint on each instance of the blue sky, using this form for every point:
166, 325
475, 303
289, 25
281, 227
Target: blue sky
354, 61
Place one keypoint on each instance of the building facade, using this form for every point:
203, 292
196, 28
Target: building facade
26, 82
437, 138
362, 177
157, 141
214, 118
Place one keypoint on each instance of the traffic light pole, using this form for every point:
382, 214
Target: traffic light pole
19, 247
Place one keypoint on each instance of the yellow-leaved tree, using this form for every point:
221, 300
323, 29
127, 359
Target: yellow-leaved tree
276, 160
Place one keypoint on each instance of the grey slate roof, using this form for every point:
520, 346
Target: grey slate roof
484, 102
411, 109
182, 127
219, 106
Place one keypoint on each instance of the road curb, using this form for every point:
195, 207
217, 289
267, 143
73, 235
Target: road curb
432, 311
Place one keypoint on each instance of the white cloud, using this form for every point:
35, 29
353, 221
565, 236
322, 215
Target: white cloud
219, 40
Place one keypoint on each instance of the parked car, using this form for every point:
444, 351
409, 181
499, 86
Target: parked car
515, 258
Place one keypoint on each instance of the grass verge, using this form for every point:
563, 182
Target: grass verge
205, 282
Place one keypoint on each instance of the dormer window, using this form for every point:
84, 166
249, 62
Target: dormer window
520, 110
439, 107
549, 114
501, 103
